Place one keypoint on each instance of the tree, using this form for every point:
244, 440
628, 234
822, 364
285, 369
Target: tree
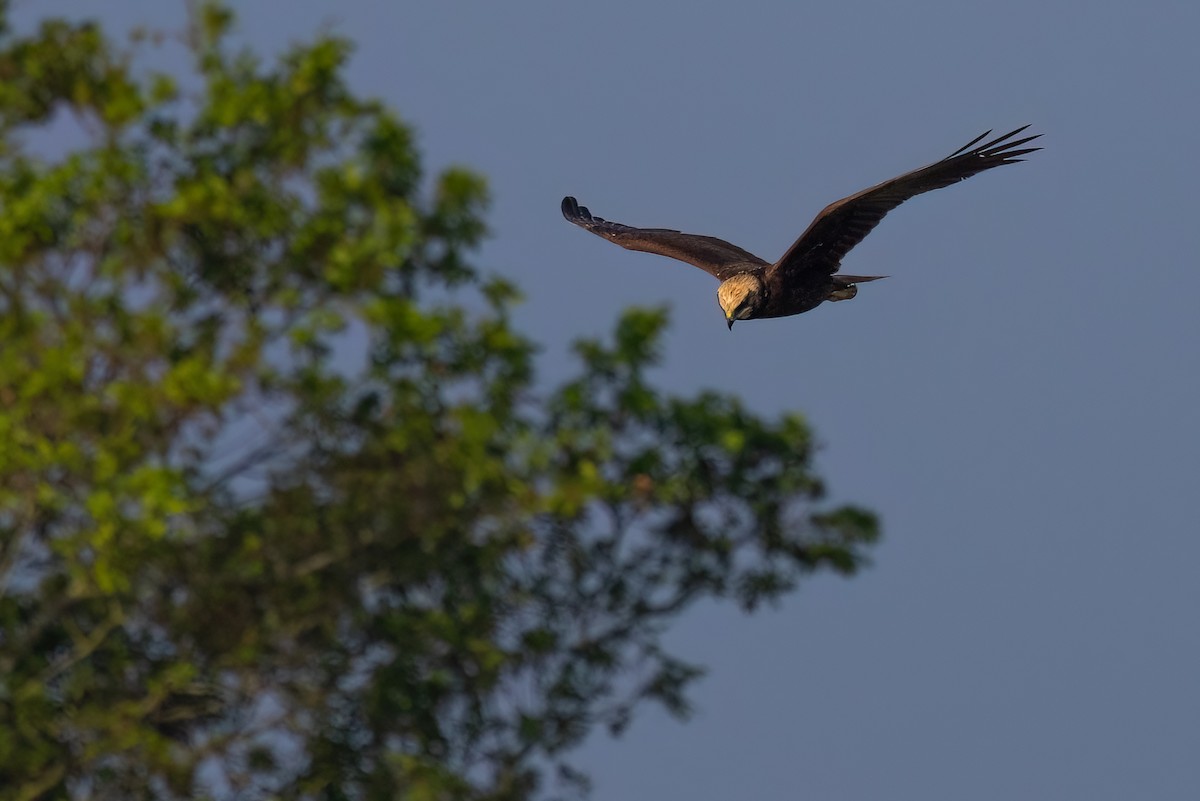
283, 512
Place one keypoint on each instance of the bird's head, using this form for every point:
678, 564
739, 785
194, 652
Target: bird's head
740, 297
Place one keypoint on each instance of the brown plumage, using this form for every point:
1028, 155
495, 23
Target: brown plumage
807, 275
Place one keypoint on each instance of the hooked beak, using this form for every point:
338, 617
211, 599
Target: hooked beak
729, 320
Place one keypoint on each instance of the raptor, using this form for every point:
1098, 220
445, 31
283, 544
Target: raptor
807, 274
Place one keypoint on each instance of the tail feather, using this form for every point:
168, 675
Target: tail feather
856, 279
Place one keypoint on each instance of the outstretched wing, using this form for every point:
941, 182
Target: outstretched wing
714, 256
842, 225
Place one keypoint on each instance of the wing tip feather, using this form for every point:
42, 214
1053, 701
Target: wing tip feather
970, 144
573, 212
1000, 147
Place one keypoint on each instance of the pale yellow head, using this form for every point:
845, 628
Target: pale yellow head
739, 296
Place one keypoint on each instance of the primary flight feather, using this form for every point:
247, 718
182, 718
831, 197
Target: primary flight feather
807, 275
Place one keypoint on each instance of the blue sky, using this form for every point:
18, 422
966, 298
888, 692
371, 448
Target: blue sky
1020, 401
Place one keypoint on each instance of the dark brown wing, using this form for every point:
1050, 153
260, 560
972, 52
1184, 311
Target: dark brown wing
842, 225
714, 256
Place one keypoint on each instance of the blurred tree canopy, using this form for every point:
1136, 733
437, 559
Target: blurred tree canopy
283, 513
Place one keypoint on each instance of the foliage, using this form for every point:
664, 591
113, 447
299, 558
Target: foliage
281, 513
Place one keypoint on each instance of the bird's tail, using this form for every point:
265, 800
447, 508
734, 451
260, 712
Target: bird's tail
856, 279
844, 285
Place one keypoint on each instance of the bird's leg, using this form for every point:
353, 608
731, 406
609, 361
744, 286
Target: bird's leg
843, 293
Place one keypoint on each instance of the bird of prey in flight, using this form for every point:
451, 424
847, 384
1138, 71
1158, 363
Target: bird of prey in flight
808, 273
